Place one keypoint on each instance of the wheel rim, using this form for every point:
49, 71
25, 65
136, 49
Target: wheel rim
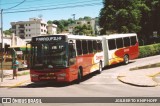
100, 67
126, 59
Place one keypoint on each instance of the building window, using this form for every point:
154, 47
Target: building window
41, 30
78, 22
88, 23
26, 35
26, 30
29, 30
26, 24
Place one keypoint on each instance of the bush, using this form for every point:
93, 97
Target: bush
149, 50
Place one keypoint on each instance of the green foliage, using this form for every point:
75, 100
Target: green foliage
149, 50
7, 32
83, 30
62, 25
85, 18
125, 16
49, 22
122, 16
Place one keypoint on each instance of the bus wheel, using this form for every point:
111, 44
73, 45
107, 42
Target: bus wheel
79, 75
100, 67
126, 59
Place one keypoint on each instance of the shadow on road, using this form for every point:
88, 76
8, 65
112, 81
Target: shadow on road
55, 84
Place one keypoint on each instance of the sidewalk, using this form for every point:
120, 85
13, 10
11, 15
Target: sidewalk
141, 77
8, 80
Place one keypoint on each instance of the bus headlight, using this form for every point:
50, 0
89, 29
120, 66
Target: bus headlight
34, 75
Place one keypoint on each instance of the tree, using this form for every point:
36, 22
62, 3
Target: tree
122, 16
8, 32
49, 22
62, 25
83, 30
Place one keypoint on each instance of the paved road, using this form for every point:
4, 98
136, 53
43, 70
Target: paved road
95, 85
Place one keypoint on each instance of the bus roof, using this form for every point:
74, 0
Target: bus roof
112, 36
83, 37
80, 37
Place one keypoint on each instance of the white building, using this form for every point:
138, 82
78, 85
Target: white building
52, 29
12, 41
31, 28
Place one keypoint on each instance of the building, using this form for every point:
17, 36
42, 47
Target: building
33, 27
52, 29
91, 22
12, 40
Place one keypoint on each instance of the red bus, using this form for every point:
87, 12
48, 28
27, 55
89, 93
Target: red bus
65, 58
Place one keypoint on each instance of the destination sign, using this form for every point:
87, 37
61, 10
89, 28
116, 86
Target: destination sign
49, 38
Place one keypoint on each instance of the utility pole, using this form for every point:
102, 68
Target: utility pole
74, 16
2, 44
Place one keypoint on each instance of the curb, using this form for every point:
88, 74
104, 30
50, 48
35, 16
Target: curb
134, 84
15, 85
18, 84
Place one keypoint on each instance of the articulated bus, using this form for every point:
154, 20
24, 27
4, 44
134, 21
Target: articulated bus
65, 58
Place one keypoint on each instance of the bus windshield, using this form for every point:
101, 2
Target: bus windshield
49, 55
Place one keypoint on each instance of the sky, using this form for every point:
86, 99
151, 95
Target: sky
55, 9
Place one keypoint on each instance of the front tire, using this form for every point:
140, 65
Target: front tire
126, 59
79, 79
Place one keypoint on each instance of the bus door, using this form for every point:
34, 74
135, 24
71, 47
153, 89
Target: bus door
72, 60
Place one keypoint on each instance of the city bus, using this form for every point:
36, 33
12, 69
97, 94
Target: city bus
65, 58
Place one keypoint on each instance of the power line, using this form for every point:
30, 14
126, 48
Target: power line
18, 2
82, 5
15, 5
30, 1
55, 5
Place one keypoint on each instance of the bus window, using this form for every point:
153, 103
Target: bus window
119, 43
111, 44
99, 45
79, 47
126, 41
90, 46
84, 47
133, 40
95, 46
